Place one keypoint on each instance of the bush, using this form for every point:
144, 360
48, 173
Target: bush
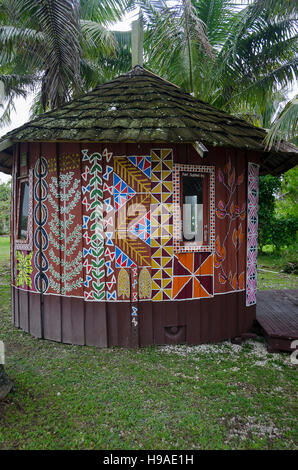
291, 268
5, 189
268, 186
290, 259
283, 231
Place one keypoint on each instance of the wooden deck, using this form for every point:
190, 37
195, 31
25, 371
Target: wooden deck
277, 315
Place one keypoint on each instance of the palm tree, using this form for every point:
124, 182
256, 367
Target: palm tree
252, 55
285, 125
235, 58
174, 37
49, 46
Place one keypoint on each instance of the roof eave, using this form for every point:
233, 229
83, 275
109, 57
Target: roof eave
6, 147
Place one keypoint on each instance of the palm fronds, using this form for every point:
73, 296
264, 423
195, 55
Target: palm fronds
61, 45
285, 126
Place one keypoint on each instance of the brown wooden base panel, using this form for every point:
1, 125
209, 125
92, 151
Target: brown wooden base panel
105, 324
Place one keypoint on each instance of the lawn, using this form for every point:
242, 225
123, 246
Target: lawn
221, 396
4, 261
4, 248
270, 272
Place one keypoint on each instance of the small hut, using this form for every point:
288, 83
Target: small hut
135, 216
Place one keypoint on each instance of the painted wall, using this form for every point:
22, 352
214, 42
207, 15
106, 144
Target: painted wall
107, 209
103, 224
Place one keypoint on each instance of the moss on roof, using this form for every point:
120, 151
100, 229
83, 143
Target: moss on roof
136, 107
142, 107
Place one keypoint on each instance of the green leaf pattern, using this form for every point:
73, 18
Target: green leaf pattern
24, 269
97, 228
64, 196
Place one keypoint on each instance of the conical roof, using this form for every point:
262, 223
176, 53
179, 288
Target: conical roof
139, 106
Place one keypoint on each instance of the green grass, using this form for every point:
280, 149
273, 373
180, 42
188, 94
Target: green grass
276, 279
205, 397
4, 248
4, 261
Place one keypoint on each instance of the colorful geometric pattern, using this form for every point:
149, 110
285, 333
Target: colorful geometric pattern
131, 175
179, 245
143, 164
136, 248
109, 225
141, 229
252, 233
122, 260
122, 192
134, 307
120, 238
193, 276
132, 206
93, 225
161, 223
134, 285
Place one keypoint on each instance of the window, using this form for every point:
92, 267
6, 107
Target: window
24, 223
194, 213
192, 191
23, 210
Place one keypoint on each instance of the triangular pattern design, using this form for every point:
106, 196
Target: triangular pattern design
108, 195
132, 223
143, 164
122, 260
93, 226
193, 276
122, 192
252, 234
161, 223
141, 229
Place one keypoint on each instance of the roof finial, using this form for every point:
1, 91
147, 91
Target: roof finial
137, 39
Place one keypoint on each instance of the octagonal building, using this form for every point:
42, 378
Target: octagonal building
135, 216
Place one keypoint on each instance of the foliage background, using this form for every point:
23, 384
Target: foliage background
278, 217
5, 189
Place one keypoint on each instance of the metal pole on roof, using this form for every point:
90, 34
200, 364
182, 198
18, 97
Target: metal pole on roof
137, 41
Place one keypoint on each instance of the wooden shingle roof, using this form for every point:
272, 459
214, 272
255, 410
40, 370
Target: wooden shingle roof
141, 107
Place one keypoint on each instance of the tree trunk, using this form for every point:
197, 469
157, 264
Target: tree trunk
5, 383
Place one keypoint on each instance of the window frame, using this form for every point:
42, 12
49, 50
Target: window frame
24, 244
205, 187
180, 245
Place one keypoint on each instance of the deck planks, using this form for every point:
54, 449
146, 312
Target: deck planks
277, 314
